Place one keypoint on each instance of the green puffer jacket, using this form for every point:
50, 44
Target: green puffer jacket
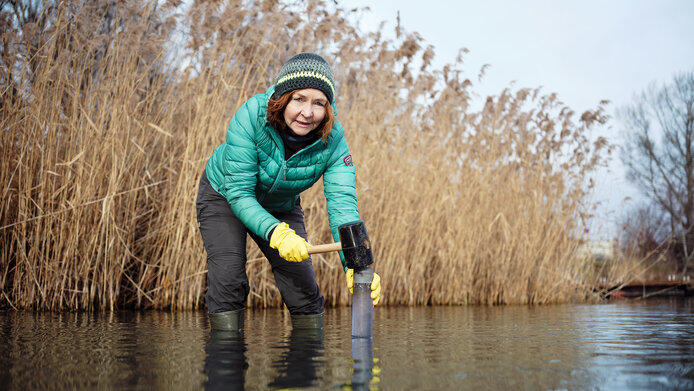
250, 171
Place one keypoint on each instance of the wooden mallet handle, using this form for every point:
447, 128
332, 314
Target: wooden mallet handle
324, 248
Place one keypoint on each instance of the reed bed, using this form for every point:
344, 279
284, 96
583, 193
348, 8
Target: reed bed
109, 111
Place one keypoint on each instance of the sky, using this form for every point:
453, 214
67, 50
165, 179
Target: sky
584, 50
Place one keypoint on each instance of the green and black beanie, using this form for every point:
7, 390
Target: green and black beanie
305, 70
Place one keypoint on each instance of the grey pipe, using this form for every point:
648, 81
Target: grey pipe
362, 304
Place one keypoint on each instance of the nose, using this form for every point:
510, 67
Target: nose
307, 111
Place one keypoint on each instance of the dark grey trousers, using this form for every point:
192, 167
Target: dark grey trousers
224, 236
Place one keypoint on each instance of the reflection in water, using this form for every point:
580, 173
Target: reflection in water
298, 363
630, 345
365, 375
225, 363
128, 350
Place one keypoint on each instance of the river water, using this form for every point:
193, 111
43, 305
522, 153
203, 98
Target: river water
623, 345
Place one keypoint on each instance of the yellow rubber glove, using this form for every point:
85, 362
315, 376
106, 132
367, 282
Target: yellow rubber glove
375, 285
291, 246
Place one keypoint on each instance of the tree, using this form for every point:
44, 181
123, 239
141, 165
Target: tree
659, 156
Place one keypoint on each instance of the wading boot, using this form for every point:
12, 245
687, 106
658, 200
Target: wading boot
227, 321
307, 328
313, 322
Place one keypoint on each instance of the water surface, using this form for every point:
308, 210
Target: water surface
628, 345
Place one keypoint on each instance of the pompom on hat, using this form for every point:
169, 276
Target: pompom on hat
305, 70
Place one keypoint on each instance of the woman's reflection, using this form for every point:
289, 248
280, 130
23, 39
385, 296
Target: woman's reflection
298, 364
225, 363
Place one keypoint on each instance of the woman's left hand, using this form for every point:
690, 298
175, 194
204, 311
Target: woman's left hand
375, 285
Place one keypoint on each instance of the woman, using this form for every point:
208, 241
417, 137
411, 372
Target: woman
278, 145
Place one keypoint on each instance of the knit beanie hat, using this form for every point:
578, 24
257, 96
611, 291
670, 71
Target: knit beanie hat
305, 70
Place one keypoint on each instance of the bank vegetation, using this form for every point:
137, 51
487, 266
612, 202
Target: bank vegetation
109, 111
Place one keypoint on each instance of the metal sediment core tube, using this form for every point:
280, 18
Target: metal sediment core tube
362, 304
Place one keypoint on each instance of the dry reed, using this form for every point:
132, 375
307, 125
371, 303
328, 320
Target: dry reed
109, 111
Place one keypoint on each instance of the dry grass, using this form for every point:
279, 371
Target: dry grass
108, 115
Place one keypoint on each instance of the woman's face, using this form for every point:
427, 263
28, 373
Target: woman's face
305, 110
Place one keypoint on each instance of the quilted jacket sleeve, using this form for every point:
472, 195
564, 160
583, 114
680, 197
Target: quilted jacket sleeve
340, 189
241, 170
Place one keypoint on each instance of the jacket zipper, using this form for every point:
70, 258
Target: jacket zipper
281, 174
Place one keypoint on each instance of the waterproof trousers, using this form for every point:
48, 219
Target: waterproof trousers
224, 236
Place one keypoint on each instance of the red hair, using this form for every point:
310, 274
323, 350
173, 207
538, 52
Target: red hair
275, 116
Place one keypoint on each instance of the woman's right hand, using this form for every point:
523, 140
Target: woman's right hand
375, 285
291, 246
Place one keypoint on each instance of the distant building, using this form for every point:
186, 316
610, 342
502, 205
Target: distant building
598, 249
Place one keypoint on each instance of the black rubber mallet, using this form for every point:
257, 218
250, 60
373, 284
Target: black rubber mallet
354, 244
